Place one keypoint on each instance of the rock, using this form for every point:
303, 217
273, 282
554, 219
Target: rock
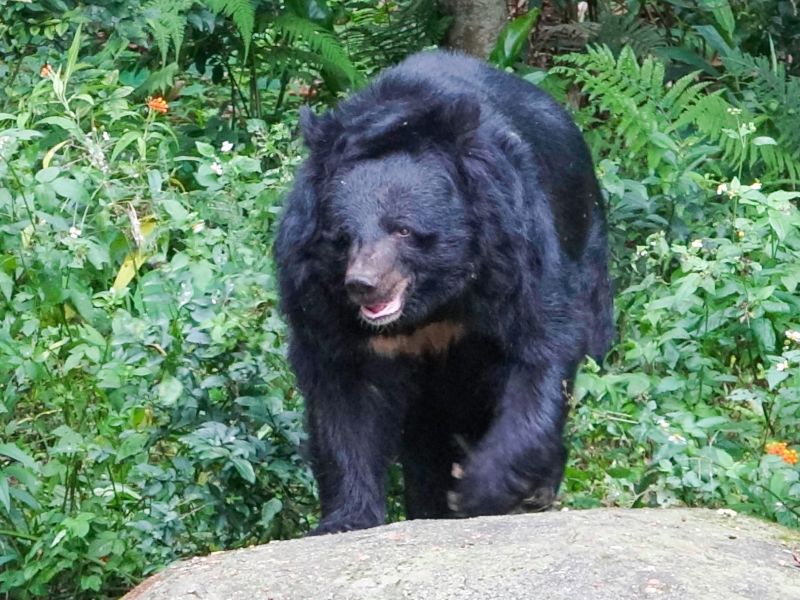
602, 554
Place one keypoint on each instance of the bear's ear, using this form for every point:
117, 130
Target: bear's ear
309, 126
318, 132
460, 118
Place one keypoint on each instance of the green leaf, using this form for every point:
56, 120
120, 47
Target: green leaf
64, 123
78, 526
763, 140
13, 452
317, 11
66, 187
269, 510
791, 279
710, 34
765, 333
47, 175
175, 209
6, 285
774, 377
244, 468
91, 582
72, 54
779, 223
710, 422
205, 149
512, 39
123, 142
721, 9
5, 496
131, 445
723, 458
169, 390
154, 181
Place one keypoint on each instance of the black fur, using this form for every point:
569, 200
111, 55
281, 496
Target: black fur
482, 192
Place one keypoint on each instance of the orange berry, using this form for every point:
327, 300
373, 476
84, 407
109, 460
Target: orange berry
776, 448
158, 104
781, 449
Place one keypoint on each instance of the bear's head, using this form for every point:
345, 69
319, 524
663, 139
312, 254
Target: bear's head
392, 209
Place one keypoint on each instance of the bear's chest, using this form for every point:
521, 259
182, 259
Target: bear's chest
429, 340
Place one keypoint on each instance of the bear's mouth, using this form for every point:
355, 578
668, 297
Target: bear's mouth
387, 311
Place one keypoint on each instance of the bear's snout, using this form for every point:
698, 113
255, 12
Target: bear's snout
371, 272
360, 286
374, 282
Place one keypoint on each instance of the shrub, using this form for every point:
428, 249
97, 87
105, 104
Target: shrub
147, 412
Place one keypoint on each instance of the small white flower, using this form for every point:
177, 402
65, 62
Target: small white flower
74, 232
793, 335
216, 167
198, 227
722, 188
782, 366
697, 244
756, 185
583, 10
226, 146
106, 137
676, 438
662, 422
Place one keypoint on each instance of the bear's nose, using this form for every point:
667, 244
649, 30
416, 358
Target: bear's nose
360, 286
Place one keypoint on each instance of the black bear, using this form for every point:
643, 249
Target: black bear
442, 263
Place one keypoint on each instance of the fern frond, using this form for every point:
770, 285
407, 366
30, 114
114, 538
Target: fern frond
243, 14
390, 31
774, 97
639, 107
326, 49
642, 113
167, 23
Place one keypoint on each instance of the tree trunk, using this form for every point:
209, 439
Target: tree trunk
476, 24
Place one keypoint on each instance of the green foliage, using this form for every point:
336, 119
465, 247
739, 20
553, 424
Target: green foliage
644, 115
243, 14
146, 412
773, 98
512, 39
391, 30
705, 372
329, 52
168, 21
617, 30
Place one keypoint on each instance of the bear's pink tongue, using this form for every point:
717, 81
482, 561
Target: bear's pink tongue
375, 311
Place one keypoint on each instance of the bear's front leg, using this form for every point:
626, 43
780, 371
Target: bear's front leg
523, 453
354, 429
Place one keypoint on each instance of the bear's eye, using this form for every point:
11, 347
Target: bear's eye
402, 232
338, 239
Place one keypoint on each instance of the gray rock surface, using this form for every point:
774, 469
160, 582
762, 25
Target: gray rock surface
604, 554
